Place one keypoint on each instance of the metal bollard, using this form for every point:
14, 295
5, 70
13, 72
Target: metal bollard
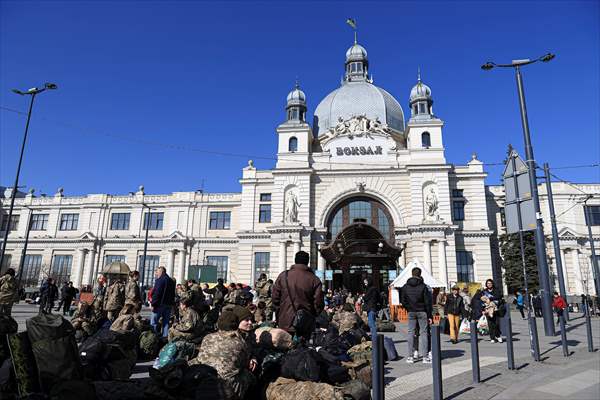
588, 325
381, 350
377, 371
475, 353
533, 337
510, 353
563, 336
436, 362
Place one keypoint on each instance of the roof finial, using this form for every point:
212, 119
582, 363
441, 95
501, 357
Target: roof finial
418, 74
352, 23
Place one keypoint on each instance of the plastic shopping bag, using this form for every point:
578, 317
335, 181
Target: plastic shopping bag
482, 325
465, 327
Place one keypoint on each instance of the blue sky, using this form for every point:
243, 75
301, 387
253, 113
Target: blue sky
145, 87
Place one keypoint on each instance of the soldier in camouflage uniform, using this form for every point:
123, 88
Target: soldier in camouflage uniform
234, 295
229, 351
114, 298
98, 302
190, 324
346, 318
133, 294
8, 292
84, 319
263, 288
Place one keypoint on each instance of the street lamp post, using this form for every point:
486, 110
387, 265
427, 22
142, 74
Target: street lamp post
31, 92
146, 219
540, 243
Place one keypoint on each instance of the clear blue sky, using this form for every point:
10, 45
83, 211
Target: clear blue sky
137, 77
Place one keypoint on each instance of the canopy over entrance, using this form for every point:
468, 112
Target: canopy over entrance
359, 244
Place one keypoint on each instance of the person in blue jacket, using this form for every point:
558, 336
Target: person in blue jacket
520, 303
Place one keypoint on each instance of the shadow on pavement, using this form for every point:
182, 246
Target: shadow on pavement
521, 367
452, 353
490, 377
460, 392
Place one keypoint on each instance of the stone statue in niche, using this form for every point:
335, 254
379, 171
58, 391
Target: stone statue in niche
291, 208
431, 209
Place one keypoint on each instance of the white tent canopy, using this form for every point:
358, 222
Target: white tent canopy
407, 273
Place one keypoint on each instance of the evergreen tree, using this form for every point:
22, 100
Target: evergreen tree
512, 265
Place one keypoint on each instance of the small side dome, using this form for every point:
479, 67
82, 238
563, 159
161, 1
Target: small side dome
356, 53
420, 91
296, 97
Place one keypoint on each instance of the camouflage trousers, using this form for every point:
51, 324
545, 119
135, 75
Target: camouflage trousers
113, 314
86, 326
175, 334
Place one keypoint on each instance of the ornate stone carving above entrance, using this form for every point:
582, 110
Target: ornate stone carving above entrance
291, 206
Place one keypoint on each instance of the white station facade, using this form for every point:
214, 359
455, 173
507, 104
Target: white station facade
364, 188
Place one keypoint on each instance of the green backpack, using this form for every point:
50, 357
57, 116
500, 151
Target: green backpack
149, 345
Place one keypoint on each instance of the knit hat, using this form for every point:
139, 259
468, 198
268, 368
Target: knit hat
231, 316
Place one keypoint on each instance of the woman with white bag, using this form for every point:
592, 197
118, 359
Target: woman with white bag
489, 312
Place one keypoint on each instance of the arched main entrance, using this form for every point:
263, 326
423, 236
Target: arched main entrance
360, 242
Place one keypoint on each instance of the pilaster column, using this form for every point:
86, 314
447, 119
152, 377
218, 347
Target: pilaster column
182, 253
321, 264
91, 261
577, 267
282, 256
564, 271
78, 275
442, 261
296, 247
427, 255
171, 264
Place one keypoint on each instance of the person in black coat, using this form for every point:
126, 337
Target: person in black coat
454, 309
372, 304
163, 299
48, 294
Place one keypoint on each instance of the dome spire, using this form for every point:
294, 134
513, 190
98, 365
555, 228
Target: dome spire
352, 23
418, 74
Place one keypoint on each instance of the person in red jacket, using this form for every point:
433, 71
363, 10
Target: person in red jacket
558, 304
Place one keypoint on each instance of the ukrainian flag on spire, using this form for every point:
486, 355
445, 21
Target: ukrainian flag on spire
351, 22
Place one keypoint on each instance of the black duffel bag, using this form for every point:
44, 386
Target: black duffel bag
302, 364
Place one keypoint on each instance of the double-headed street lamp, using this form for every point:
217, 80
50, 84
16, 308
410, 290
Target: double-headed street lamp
31, 92
540, 244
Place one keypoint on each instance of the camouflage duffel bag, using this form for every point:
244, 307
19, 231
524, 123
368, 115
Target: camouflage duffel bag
149, 345
286, 389
23, 363
386, 326
361, 351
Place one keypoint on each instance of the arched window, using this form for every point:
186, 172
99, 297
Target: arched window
426, 140
361, 209
293, 144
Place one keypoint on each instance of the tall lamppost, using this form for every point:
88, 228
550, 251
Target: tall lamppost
146, 220
540, 244
31, 92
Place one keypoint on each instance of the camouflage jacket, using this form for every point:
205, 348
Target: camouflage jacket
189, 323
345, 320
263, 289
133, 293
115, 296
8, 289
226, 351
234, 297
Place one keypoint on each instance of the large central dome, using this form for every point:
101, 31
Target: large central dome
357, 96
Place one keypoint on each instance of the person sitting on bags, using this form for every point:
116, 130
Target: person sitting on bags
190, 326
229, 351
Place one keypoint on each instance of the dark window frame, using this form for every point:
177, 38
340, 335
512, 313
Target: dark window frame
39, 222
119, 221
458, 210
265, 197
157, 220
426, 140
152, 262
264, 213
593, 212
69, 222
222, 264
14, 223
219, 220
62, 267
464, 266
262, 263
293, 144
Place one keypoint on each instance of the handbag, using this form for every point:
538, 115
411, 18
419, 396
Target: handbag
465, 327
304, 321
482, 325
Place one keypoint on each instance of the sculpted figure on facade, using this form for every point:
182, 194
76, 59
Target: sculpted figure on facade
358, 125
291, 208
431, 205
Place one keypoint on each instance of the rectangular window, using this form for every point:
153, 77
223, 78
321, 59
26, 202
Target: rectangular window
152, 262
265, 197
61, 268
592, 215
32, 264
113, 258
156, 221
39, 222
458, 210
264, 214
261, 264
120, 221
421, 108
220, 220
14, 223
464, 266
222, 263
68, 222
457, 192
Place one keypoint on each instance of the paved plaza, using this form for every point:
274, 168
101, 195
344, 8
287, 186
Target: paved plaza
556, 377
